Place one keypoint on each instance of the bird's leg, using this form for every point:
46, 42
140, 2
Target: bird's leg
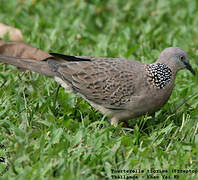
114, 121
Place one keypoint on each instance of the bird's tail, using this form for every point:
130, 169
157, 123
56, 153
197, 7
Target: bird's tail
41, 67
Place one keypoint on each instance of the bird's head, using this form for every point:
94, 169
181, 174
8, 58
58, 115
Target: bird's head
176, 58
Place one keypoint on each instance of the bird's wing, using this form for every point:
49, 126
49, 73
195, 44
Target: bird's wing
104, 81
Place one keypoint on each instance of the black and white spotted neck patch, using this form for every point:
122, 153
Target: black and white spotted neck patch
159, 75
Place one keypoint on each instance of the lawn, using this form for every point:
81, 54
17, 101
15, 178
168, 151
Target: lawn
46, 133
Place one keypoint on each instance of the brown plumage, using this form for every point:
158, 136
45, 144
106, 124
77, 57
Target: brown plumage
120, 88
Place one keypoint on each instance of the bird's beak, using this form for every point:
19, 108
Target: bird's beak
189, 67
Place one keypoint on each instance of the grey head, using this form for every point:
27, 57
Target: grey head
175, 58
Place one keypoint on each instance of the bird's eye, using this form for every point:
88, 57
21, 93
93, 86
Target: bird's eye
181, 58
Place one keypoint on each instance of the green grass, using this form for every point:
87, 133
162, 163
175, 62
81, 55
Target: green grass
49, 136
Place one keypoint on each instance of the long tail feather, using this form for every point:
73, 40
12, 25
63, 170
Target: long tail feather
41, 67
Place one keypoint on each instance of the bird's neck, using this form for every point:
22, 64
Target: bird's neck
159, 75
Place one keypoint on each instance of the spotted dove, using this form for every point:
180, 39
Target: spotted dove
120, 88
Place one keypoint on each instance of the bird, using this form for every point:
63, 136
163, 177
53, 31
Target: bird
121, 89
